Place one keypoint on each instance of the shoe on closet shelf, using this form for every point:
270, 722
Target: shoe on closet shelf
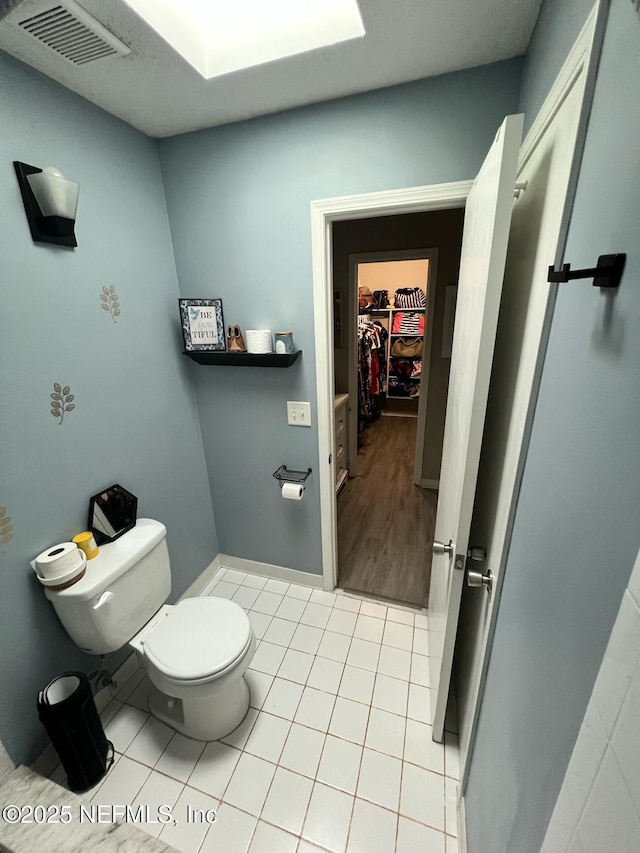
235, 341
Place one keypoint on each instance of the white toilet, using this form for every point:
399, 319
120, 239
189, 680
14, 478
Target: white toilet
195, 652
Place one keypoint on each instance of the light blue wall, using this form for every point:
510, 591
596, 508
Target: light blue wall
239, 208
576, 530
135, 420
556, 30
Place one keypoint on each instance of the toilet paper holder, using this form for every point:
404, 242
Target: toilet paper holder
283, 475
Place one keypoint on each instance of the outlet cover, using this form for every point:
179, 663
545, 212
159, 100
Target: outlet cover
298, 414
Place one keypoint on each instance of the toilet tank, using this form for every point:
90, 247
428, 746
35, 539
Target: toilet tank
122, 588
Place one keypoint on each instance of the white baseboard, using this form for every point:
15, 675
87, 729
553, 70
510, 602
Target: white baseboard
6, 764
400, 414
204, 579
430, 484
280, 573
102, 698
462, 826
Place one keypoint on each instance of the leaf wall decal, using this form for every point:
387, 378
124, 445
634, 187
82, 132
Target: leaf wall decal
6, 530
109, 301
61, 401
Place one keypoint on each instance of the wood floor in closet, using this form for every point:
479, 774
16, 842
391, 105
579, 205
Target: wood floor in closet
385, 522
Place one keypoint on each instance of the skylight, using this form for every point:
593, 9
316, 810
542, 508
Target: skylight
220, 36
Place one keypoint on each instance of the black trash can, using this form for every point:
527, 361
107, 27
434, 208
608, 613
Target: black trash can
67, 711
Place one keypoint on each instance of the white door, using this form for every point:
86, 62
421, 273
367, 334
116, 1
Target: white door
484, 247
539, 219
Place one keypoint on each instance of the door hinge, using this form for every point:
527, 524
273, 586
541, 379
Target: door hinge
520, 188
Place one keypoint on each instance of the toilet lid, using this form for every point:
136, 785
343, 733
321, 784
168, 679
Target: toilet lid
200, 637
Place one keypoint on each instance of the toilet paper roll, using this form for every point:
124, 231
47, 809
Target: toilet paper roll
259, 340
292, 491
59, 560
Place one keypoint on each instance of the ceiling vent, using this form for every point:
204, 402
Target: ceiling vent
66, 28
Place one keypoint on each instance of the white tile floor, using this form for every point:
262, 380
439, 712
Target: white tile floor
335, 753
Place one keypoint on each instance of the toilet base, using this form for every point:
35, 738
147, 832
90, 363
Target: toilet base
203, 718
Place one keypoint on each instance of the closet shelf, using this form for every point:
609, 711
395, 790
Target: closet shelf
401, 397
386, 310
245, 359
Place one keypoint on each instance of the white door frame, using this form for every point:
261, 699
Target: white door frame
323, 213
430, 255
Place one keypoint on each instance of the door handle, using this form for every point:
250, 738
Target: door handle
441, 548
105, 598
477, 579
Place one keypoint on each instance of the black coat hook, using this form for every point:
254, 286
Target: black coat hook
607, 272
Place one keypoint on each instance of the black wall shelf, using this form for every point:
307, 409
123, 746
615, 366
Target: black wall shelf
246, 359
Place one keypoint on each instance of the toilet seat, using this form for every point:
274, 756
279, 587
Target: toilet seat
200, 640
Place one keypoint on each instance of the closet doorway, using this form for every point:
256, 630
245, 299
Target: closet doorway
386, 506
390, 345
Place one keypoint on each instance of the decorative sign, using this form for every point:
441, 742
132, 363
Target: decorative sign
202, 324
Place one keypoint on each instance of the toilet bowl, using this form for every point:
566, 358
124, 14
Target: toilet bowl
196, 654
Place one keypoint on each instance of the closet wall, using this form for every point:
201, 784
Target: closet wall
441, 230
376, 276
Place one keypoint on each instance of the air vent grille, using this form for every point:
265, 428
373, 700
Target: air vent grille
73, 33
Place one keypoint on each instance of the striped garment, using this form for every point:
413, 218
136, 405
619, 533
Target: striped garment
410, 297
408, 323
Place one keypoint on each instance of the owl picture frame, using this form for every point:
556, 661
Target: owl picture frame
202, 325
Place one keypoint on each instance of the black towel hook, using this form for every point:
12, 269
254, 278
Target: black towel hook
606, 273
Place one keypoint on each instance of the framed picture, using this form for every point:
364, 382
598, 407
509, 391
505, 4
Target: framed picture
202, 325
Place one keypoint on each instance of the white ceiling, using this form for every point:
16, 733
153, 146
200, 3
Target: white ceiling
158, 92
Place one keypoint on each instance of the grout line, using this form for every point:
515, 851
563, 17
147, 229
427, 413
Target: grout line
292, 720
182, 790
325, 733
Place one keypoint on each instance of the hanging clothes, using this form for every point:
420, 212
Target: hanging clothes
372, 370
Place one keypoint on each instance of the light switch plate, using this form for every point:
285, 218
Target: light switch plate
298, 414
